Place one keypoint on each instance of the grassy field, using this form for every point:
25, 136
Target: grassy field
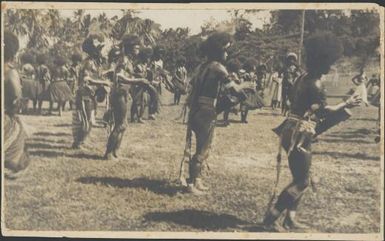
66, 189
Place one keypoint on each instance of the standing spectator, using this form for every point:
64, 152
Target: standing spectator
360, 82
290, 73
276, 89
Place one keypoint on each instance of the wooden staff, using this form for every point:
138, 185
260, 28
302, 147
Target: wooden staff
301, 40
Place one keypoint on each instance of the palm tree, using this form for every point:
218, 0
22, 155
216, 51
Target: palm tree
28, 22
147, 30
78, 15
104, 22
150, 32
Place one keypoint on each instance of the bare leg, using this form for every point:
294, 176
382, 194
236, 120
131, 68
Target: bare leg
50, 107
60, 104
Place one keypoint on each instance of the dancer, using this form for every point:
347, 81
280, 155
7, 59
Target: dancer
83, 117
140, 97
73, 76
16, 156
322, 50
210, 75
58, 90
43, 76
124, 84
248, 76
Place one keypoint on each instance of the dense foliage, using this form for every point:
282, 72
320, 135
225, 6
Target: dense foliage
47, 31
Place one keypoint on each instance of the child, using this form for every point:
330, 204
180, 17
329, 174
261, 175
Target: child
276, 88
360, 81
373, 87
233, 67
180, 78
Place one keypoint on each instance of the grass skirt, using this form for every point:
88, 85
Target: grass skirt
31, 89
59, 92
253, 101
15, 153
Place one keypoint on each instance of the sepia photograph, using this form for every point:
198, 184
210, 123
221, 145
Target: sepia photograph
193, 120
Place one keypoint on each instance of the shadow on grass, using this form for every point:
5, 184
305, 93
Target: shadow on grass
38, 139
46, 145
360, 141
197, 219
155, 186
357, 133
55, 154
171, 104
359, 156
346, 135
44, 133
269, 114
235, 121
99, 124
221, 123
63, 125
365, 119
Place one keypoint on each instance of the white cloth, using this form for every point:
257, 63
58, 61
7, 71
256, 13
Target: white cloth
362, 92
276, 87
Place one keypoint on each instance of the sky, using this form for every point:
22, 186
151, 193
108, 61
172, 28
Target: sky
190, 18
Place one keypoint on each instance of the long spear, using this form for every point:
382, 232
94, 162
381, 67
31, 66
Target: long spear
301, 40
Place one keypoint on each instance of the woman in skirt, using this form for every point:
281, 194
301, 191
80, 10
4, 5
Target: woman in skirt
123, 83
73, 76
276, 90
30, 87
83, 117
59, 91
43, 77
253, 100
15, 152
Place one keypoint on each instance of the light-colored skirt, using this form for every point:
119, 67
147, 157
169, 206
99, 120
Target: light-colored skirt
31, 89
